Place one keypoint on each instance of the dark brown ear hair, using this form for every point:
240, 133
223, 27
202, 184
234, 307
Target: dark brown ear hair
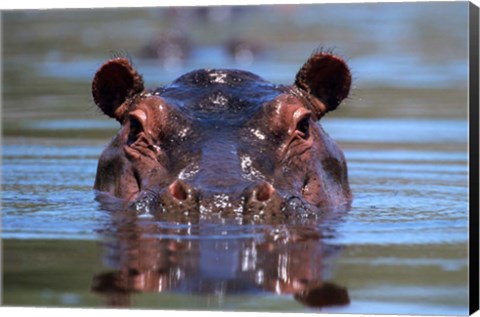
115, 82
327, 78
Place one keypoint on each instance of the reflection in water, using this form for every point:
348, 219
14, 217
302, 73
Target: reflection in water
215, 257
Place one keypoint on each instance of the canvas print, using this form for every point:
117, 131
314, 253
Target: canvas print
267, 158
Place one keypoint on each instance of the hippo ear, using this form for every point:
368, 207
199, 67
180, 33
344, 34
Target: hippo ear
115, 82
327, 78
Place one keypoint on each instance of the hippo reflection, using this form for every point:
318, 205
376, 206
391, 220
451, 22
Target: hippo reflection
224, 141
216, 258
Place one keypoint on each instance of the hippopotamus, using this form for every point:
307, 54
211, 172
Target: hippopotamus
224, 141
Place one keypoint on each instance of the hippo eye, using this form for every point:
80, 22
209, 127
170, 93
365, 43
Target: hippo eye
135, 129
135, 126
303, 127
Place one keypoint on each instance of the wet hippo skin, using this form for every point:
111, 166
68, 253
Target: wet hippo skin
223, 141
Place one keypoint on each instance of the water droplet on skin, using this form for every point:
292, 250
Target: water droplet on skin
219, 78
258, 134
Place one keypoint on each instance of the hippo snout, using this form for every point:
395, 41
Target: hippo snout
181, 196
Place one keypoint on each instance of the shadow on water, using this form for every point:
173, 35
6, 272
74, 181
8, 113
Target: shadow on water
215, 257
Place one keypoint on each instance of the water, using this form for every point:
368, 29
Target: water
402, 248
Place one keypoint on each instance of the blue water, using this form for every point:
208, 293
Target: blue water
404, 198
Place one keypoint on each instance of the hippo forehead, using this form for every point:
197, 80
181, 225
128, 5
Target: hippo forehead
219, 95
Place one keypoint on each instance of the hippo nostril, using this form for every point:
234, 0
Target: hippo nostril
262, 200
180, 190
263, 192
179, 196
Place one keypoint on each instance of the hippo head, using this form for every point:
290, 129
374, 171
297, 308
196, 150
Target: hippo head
224, 141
